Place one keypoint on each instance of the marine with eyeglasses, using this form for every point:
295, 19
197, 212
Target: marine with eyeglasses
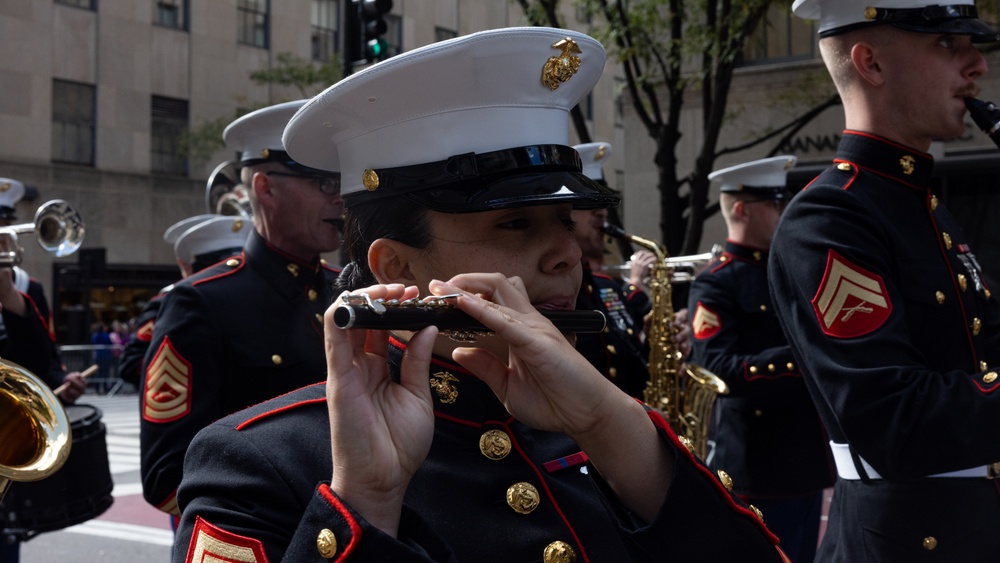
251, 327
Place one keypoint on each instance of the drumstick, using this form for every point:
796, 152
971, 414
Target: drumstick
84, 374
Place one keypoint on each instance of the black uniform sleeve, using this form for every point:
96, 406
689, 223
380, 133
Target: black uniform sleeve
130, 362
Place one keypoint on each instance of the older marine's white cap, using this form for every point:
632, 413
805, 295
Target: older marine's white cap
593, 156
11, 192
174, 231
256, 137
220, 232
472, 123
765, 178
958, 17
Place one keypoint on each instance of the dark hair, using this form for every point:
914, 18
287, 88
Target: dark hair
400, 221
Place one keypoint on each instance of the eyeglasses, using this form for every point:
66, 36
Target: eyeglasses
329, 185
778, 204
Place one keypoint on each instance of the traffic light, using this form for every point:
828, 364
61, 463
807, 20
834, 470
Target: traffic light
373, 27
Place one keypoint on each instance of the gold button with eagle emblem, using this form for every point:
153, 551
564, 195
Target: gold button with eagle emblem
939, 295
445, 385
559, 552
312, 295
844, 167
947, 240
963, 283
326, 543
523, 497
990, 377
753, 369
232, 262
293, 269
611, 349
494, 444
276, 360
983, 366
906, 162
687, 443
790, 366
760, 515
726, 480
977, 325
930, 543
934, 202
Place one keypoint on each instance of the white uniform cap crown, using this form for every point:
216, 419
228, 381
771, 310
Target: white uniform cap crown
767, 176
256, 136
488, 91
593, 156
174, 231
11, 192
217, 233
930, 16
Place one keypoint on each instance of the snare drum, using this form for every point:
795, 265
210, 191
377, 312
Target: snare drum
79, 491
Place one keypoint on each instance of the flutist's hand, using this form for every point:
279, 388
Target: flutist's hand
73, 386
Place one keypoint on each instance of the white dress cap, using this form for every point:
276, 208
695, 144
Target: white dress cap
256, 136
481, 93
957, 17
217, 233
593, 156
765, 178
174, 231
11, 192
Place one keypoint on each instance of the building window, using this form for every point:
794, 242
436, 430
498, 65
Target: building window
252, 18
325, 24
620, 184
619, 96
73, 112
393, 35
781, 37
587, 107
169, 120
442, 33
85, 4
171, 13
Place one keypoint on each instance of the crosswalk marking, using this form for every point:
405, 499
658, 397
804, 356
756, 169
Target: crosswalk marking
121, 531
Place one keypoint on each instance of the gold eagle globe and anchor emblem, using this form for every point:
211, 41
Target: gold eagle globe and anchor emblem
443, 383
560, 69
907, 162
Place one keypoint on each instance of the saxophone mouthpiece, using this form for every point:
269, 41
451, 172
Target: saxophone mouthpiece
614, 231
986, 115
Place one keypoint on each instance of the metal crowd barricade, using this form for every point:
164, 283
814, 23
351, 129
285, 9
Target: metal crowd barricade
107, 380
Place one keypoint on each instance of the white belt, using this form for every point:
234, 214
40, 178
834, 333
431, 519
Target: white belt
847, 470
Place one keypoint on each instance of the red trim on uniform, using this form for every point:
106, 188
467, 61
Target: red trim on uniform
162, 379
721, 263
145, 332
850, 301
566, 462
986, 391
257, 418
355, 538
705, 323
241, 257
202, 530
38, 313
662, 424
766, 376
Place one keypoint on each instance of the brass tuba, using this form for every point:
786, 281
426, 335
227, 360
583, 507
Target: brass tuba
225, 194
35, 433
58, 228
683, 393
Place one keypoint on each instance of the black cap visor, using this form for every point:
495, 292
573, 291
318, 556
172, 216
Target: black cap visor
519, 177
944, 19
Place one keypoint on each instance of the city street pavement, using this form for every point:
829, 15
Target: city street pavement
131, 530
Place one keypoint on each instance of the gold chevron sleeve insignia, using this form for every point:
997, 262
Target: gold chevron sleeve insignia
851, 301
706, 323
170, 505
210, 544
168, 385
145, 332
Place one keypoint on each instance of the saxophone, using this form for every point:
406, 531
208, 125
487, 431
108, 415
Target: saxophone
683, 393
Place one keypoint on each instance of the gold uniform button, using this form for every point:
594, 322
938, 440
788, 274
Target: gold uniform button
753, 369
947, 240
844, 167
613, 372
276, 360
758, 412
771, 368
494, 444
977, 325
326, 543
939, 295
559, 552
293, 269
990, 377
726, 480
760, 515
611, 349
963, 283
757, 255
930, 542
232, 262
790, 366
523, 497
983, 366
319, 318
988, 294
934, 202
763, 308
313, 295
629, 331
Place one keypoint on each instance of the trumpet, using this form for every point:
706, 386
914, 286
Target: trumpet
683, 269
35, 432
58, 228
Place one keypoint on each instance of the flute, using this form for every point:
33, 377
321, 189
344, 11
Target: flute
362, 312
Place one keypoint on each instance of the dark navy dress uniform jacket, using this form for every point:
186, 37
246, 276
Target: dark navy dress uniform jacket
898, 337
245, 330
258, 481
768, 436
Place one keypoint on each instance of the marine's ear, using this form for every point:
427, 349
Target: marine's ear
389, 261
